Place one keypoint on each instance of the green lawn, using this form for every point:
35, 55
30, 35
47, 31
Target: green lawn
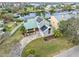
47, 48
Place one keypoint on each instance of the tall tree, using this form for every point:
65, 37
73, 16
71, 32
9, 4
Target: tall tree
70, 28
67, 8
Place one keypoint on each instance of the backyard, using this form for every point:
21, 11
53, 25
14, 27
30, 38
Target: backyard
46, 48
7, 45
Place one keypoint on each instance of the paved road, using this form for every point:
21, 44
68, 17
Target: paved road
72, 52
18, 48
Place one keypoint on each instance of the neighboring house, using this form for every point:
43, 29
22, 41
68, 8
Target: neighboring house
16, 15
40, 24
59, 10
62, 5
48, 8
74, 7
74, 12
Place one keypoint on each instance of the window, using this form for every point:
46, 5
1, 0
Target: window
43, 28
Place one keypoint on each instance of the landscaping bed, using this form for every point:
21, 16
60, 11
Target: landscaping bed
42, 48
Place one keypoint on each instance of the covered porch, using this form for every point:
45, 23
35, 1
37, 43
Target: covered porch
30, 26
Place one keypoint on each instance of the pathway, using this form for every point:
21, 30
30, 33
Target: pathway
18, 48
72, 52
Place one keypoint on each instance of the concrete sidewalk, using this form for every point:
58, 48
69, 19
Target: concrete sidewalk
72, 52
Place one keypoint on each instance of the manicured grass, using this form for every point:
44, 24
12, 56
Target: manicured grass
47, 48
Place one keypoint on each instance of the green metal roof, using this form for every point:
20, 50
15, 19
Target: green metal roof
31, 23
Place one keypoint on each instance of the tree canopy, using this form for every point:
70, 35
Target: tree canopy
70, 28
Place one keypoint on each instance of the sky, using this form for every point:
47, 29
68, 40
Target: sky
39, 0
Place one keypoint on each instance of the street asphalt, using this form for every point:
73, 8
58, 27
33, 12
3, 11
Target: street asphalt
72, 52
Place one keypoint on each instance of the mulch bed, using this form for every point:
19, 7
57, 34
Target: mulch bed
49, 38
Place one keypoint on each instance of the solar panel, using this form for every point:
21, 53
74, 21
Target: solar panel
43, 28
39, 19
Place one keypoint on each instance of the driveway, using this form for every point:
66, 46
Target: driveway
72, 52
18, 48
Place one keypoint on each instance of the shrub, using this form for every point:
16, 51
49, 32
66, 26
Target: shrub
70, 29
29, 52
57, 33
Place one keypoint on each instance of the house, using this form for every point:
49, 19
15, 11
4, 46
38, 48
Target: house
39, 24
74, 12
48, 8
16, 15
74, 7
44, 27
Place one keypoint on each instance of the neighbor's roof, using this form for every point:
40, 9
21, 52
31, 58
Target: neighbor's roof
31, 23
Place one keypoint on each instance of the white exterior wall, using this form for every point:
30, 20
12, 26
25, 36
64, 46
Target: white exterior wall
45, 32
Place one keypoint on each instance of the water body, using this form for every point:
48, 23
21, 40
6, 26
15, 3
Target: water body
62, 15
